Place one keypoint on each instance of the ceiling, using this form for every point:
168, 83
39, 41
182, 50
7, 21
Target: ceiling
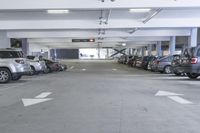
109, 22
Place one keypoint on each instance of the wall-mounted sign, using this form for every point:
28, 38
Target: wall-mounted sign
83, 40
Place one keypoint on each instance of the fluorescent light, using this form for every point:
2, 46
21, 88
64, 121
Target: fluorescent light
139, 10
123, 44
58, 11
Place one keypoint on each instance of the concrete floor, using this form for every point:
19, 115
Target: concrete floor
100, 97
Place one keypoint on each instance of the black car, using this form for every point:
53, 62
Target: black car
190, 62
176, 62
143, 62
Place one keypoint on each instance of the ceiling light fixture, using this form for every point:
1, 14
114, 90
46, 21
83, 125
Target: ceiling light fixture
140, 10
57, 11
123, 44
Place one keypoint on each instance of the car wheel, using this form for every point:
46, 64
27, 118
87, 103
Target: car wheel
32, 72
5, 75
48, 70
192, 75
17, 78
168, 69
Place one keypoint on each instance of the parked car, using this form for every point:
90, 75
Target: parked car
143, 62
190, 62
151, 61
37, 65
176, 62
138, 62
131, 61
164, 64
63, 67
12, 65
51, 65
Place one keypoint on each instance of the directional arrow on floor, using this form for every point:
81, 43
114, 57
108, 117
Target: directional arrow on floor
173, 96
167, 93
38, 99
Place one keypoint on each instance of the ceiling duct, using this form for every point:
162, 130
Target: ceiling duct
153, 14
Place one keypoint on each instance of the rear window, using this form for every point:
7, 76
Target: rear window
11, 54
198, 52
30, 57
189, 52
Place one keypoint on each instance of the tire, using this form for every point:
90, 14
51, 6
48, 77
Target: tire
48, 70
192, 75
168, 69
5, 75
17, 78
32, 72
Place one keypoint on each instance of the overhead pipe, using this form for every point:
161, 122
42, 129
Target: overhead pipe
152, 15
101, 18
108, 16
133, 31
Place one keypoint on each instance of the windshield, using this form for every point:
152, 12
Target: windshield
11, 54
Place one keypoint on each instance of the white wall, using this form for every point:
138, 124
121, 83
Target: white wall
37, 48
4, 41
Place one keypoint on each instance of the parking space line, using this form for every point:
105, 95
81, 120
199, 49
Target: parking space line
44, 95
180, 100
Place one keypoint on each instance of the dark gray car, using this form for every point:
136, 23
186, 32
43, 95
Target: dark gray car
164, 64
190, 62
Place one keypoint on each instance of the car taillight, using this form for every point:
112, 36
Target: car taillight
194, 60
20, 61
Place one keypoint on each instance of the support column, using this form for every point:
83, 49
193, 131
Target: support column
149, 48
172, 45
143, 51
130, 51
25, 46
158, 48
192, 41
4, 40
107, 53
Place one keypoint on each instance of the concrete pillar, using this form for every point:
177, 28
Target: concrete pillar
192, 41
143, 51
25, 46
158, 48
172, 45
130, 51
4, 40
149, 49
107, 53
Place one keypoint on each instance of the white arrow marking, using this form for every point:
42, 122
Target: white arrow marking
44, 95
180, 100
167, 93
174, 96
29, 102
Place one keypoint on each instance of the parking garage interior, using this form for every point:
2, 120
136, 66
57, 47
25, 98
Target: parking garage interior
94, 80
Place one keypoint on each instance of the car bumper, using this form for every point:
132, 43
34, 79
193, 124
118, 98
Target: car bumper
40, 68
189, 69
20, 74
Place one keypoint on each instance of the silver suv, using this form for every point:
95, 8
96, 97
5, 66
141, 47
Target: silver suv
12, 65
37, 65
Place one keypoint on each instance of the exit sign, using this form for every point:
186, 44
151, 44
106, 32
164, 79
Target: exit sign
83, 40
